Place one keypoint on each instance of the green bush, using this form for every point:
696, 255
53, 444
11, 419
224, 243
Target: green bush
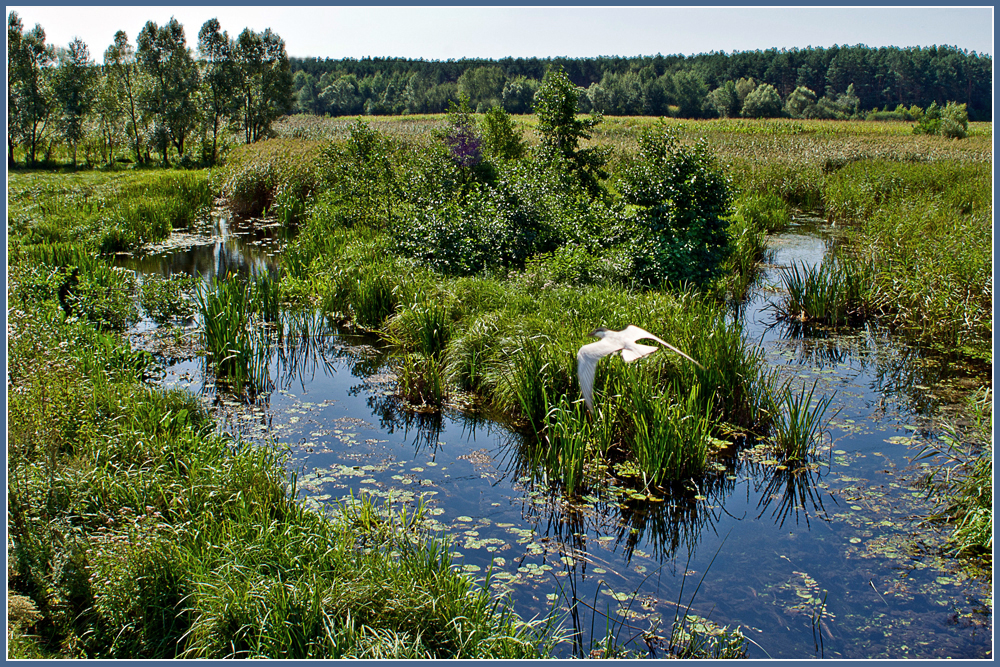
501, 137
679, 196
954, 121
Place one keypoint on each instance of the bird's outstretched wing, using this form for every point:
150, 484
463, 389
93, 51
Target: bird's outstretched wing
586, 366
634, 333
634, 351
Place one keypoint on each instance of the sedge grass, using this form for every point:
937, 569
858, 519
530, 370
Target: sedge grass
961, 479
234, 314
798, 422
670, 433
832, 292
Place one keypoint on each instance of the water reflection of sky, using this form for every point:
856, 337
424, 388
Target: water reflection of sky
829, 560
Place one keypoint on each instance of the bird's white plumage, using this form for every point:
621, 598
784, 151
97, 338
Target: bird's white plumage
611, 342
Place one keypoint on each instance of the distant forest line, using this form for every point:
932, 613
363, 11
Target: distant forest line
835, 82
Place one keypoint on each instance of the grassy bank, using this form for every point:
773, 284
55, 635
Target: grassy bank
104, 211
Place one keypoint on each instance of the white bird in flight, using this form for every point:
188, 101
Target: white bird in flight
609, 343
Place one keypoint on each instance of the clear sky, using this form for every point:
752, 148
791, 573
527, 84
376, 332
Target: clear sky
440, 33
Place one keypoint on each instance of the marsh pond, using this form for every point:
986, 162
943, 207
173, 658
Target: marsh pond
833, 559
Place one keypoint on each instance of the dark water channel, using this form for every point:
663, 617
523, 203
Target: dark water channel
831, 562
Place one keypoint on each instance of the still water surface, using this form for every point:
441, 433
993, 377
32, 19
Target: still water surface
832, 562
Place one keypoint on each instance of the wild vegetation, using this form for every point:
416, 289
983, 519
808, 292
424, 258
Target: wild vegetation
482, 249
137, 531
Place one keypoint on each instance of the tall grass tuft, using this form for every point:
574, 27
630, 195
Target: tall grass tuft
832, 292
233, 312
535, 376
565, 444
374, 301
798, 422
421, 379
962, 482
669, 433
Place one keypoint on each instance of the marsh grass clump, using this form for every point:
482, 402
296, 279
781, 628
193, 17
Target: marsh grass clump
832, 292
754, 216
669, 432
81, 283
538, 372
374, 301
573, 446
798, 422
961, 481
421, 378
235, 314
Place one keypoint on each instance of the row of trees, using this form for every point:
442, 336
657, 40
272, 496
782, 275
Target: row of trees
155, 96
880, 78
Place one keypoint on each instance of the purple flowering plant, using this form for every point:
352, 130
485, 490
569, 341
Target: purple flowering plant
461, 138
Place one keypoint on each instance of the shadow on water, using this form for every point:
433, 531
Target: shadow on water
825, 559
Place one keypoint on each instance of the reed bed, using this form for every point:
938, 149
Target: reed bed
925, 231
239, 319
798, 422
832, 292
961, 474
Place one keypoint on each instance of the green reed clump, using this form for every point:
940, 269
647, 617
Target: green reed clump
754, 216
233, 314
374, 301
796, 182
421, 379
762, 210
570, 440
669, 432
468, 351
422, 375
798, 422
833, 292
82, 284
265, 292
537, 374
961, 482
